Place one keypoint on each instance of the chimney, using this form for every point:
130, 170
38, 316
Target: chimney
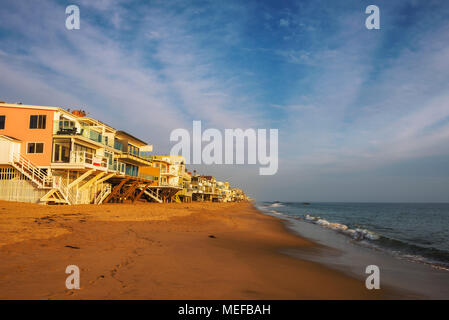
79, 113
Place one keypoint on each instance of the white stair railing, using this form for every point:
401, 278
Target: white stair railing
153, 195
32, 172
64, 189
105, 191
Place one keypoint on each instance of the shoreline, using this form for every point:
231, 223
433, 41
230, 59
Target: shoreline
414, 280
162, 251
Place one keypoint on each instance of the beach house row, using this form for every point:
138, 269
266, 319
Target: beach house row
52, 155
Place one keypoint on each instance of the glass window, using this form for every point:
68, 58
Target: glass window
35, 147
42, 122
2, 122
78, 147
118, 145
61, 150
95, 136
33, 122
133, 150
39, 148
31, 147
38, 121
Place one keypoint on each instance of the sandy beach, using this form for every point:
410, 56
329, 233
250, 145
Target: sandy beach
160, 251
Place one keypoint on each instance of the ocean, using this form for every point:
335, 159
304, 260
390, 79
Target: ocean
410, 240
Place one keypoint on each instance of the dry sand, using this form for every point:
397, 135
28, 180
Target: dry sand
160, 251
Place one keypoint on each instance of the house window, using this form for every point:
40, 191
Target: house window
38, 121
121, 167
133, 150
78, 147
61, 150
66, 124
118, 145
35, 147
2, 122
110, 157
95, 136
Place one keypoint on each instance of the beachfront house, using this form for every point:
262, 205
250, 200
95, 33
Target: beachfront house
204, 188
174, 181
223, 191
51, 155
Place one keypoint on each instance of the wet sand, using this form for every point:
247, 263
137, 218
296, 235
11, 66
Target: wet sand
160, 251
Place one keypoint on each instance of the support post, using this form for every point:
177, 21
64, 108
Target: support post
115, 191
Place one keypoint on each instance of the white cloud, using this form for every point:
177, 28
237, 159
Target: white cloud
87, 68
284, 22
153, 35
404, 115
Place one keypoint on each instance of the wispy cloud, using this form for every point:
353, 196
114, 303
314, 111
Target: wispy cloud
284, 22
90, 67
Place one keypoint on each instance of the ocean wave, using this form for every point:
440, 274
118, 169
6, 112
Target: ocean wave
276, 205
400, 249
268, 208
408, 249
356, 234
405, 250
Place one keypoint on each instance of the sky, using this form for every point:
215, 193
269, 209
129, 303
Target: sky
363, 115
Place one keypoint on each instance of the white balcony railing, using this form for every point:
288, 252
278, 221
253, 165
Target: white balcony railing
88, 159
171, 171
170, 184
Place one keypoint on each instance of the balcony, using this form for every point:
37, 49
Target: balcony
175, 172
185, 192
170, 184
133, 159
72, 128
82, 160
154, 180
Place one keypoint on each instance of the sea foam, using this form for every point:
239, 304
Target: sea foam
276, 205
356, 234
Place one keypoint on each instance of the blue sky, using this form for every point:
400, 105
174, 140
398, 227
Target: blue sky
363, 115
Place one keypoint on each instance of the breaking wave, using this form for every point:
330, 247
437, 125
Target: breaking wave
356, 234
400, 249
276, 205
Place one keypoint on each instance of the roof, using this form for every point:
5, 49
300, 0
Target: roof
29, 106
97, 122
3, 136
131, 136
